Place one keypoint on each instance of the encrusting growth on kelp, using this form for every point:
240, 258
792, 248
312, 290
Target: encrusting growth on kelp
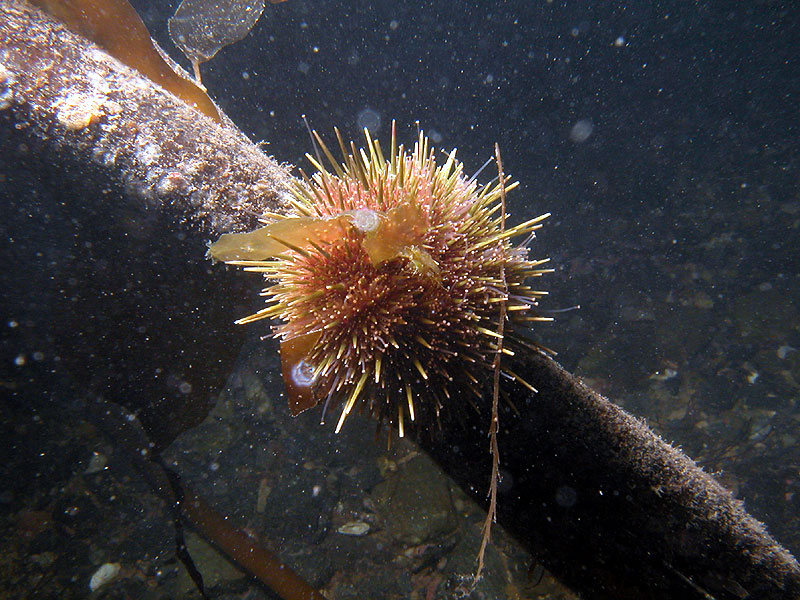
387, 280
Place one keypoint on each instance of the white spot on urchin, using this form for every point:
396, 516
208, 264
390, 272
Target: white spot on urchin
365, 219
783, 351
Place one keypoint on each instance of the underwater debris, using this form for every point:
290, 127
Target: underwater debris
387, 280
104, 575
354, 528
201, 28
78, 111
664, 374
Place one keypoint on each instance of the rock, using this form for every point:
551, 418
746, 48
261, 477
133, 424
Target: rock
765, 315
415, 502
103, 575
214, 567
97, 463
354, 528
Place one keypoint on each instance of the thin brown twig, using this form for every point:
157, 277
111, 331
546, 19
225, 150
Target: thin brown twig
491, 514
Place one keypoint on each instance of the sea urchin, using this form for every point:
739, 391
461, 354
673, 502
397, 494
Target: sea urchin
387, 279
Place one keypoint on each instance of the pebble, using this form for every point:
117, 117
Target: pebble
664, 375
96, 464
264, 490
103, 575
354, 528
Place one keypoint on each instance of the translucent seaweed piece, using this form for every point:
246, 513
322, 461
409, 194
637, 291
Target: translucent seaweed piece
403, 226
275, 238
200, 28
398, 232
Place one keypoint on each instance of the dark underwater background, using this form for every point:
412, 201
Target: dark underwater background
662, 137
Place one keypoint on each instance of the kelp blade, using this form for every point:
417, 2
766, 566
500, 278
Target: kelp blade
115, 26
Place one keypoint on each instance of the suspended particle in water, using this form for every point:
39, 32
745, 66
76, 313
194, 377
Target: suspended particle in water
369, 119
581, 131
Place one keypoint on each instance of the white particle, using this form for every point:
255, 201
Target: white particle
581, 131
370, 119
302, 373
354, 528
365, 220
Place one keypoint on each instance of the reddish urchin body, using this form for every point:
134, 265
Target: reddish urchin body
387, 281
